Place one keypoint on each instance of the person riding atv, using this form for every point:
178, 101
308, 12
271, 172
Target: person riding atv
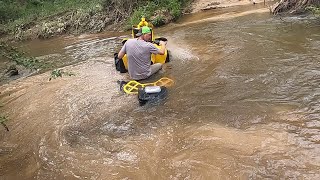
152, 59
139, 52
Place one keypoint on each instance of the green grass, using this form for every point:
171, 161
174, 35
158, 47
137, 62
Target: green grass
158, 21
20, 14
149, 7
59, 73
145, 11
14, 13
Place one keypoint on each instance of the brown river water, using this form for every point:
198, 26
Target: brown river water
244, 106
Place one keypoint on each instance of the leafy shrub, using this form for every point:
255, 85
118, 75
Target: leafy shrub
59, 73
9, 12
158, 21
15, 13
147, 9
314, 9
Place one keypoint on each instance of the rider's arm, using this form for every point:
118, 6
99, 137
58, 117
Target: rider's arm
121, 54
162, 50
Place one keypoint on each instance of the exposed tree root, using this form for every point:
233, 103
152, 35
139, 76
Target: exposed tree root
293, 6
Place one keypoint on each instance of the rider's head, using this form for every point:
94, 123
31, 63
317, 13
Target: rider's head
146, 33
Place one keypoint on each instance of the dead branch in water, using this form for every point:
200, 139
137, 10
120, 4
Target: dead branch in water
5, 126
2, 120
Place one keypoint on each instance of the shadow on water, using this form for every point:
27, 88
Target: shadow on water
244, 105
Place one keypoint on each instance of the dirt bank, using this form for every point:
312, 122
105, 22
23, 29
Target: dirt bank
202, 5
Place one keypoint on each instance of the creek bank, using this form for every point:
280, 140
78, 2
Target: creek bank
104, 15
71, 22
203, 5
120, 15
114, 16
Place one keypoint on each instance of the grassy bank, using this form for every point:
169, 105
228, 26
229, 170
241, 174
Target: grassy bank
26, 10
46, 18
159, 12
20, 15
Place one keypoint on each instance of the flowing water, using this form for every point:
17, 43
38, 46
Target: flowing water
244, 106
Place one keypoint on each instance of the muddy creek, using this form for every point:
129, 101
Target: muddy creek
244, 106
